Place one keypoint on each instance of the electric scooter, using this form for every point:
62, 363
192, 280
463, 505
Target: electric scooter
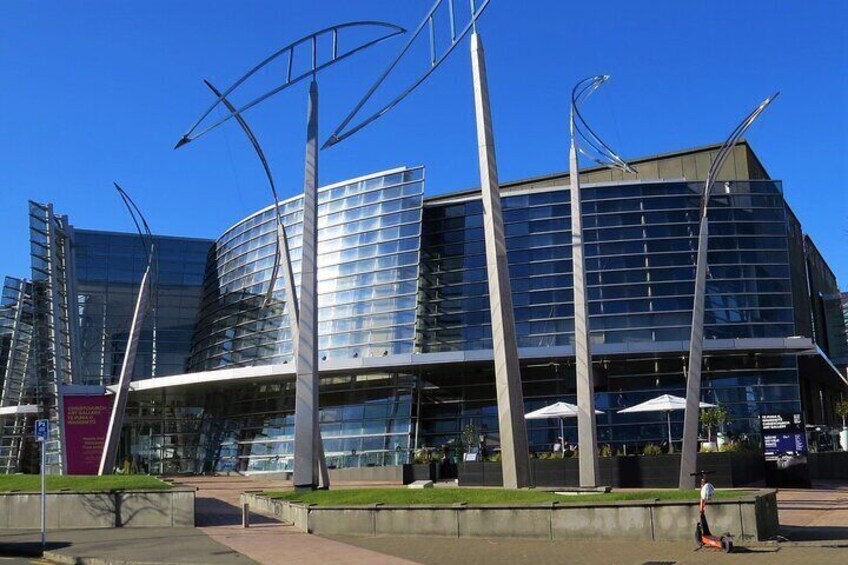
703, 536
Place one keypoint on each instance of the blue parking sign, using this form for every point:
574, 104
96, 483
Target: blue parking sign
41, 428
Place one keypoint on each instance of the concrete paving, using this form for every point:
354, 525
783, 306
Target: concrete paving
807, 516
820, 513
187, 546
268, 541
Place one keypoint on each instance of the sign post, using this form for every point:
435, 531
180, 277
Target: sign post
42, 427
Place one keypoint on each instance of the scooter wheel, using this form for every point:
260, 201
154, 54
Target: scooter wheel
726, 544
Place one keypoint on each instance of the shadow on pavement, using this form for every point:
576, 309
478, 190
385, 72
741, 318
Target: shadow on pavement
28, 549
814, 533
215, 512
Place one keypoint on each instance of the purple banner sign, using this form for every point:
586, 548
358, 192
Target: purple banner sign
86, 424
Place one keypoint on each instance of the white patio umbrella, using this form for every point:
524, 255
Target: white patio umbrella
560, 410
665, 403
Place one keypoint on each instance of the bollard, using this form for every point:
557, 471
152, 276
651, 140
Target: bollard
245, 515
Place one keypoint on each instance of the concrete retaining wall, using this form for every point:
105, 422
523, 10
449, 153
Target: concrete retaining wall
752, 517
128, 509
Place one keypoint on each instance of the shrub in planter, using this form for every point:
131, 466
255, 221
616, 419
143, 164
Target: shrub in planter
606, 450
652, 449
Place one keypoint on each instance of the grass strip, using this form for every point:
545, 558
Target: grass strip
403, 496
81, 483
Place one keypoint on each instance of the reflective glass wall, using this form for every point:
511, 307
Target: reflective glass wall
368, 254
109, 268
641, 241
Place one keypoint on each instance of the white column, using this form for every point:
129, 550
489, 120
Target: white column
513, 432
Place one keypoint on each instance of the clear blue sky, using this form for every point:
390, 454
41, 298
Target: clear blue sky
92, 92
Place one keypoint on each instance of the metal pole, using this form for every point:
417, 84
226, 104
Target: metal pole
119, 406
43, 494
306, 352
587, 433
689, 448
515, 459
670, 444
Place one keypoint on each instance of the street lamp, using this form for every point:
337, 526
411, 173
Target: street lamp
585, 141
689, 449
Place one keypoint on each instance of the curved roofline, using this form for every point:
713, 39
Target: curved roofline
320, 189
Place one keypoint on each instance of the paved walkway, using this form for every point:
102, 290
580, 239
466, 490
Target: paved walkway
820, 513
268, 541
187, 546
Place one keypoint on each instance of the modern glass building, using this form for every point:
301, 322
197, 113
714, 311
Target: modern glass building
405, 343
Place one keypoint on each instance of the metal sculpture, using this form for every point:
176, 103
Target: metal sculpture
513, 431
142, 305
585, 141
289, 51
689, 449
308, 448
282, 255
429, 21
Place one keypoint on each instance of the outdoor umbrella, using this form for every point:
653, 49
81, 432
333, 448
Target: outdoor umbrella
665, 403
559, 410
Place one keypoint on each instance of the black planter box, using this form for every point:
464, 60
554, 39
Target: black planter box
631, 471
831, 466
419, 472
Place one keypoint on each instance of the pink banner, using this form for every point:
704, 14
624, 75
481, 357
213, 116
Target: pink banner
86, 424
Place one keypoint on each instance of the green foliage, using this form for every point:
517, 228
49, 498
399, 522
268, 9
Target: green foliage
714, 419
494, 458
81, 483
470, 436
841, 410
652, 449
606, 450
368, 496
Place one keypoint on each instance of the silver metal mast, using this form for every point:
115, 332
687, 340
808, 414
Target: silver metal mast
142, 305
306, 350
515, 456
584, 140
689, 449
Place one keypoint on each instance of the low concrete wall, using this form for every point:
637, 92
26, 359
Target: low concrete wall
127, 509
750, 517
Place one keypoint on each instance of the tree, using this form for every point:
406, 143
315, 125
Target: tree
713, 418
841, 411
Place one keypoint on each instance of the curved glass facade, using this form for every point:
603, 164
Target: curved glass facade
369, 237
640, 260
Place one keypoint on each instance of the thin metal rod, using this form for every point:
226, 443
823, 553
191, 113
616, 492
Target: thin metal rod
282, 254
452, 20
432, 41
338, 134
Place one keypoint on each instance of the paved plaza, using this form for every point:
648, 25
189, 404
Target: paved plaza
814, 521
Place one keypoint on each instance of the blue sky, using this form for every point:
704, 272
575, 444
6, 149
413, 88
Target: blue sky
94, 92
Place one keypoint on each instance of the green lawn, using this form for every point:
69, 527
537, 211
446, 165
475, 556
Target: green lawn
80, 483
402, 496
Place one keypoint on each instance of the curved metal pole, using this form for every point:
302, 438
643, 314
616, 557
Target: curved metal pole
587, 433
282, 255
689, 449
338, 134
289, 49
116, 418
